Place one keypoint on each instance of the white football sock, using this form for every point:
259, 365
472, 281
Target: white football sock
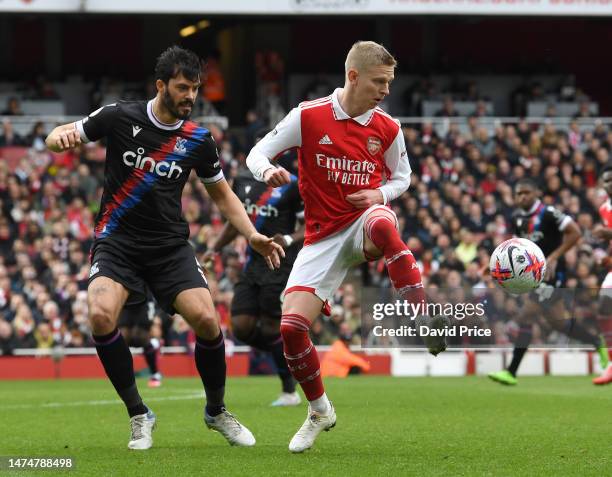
321, 405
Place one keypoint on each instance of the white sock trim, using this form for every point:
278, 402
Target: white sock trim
321, 405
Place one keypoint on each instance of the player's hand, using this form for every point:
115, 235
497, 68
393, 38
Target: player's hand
364, 199
268, 248
276, 177
551, 267
280, 239
208, 260
601, 232
67, 139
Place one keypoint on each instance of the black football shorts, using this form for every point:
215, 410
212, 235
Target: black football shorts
258, 292
167, 270
136, 315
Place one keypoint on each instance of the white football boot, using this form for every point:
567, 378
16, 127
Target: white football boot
313, 425
287, 399
229, 427
142, 428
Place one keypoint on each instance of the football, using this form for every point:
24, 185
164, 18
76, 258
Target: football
518, 265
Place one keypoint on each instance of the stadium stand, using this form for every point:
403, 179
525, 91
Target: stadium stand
456, 211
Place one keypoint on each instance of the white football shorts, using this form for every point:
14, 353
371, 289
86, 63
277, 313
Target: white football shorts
321, 267
606, 286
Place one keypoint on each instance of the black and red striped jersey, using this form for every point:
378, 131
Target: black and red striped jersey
147, 165
272, 210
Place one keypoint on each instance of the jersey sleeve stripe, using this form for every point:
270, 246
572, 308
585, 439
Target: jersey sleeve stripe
314, 102
79, 127
564, 223
311, 106
211, 180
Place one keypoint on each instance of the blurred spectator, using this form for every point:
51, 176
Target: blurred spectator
584, 110
43, 336
8, 341
13, 108
481, 109
214, 84
254, 126
317, 88
9, 137
339, 361
448, 108
37, 136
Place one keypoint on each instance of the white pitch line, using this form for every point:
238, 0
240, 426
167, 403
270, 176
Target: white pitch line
107, 402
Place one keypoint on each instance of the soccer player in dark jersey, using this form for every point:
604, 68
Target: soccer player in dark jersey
135, 323
141, 236
555, 233
256, 305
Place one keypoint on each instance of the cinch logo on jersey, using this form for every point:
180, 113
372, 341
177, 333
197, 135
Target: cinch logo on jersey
162, 168
144, 177
266, 210
346, 171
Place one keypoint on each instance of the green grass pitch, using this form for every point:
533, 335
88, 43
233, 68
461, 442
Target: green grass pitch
386, 426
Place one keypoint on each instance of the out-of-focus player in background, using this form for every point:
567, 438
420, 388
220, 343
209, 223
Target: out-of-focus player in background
555, 233
346, 146
256, 304
135, 321
603, 231
141, 237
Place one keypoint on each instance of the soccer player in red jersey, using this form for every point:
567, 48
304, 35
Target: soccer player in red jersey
604, 231
346, 146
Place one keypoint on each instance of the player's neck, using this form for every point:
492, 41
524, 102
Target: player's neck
349, 104
161, 113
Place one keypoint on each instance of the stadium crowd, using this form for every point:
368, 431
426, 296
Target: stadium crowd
457, 209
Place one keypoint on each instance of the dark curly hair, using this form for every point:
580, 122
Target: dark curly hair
177, 60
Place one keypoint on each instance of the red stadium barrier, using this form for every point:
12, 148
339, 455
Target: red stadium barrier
171, 365
177, 365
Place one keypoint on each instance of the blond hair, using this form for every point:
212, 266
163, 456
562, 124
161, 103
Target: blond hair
365, 54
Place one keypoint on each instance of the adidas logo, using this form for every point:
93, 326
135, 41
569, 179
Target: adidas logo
325, 140
135, 130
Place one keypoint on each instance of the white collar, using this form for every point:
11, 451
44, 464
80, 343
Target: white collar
339, 113
157, 122
534, 207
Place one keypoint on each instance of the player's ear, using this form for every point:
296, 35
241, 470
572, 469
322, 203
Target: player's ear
160, 85
352, 75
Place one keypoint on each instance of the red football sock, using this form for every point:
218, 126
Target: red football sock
401, 265
301, 355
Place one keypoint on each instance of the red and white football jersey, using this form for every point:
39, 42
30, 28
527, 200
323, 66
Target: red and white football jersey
605, 212
338, 155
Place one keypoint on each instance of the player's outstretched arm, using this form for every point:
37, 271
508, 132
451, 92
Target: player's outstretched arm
228, 233
571, 235
233, 210
63, 138
602, 232
286, 135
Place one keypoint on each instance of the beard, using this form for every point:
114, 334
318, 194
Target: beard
173, 107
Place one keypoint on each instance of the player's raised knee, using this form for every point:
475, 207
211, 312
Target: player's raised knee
292, 325
206, 326
101, 318
243, 327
